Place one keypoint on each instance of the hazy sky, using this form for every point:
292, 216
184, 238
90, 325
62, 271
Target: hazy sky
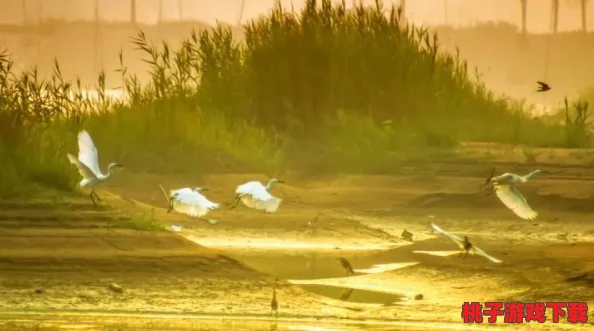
459, 12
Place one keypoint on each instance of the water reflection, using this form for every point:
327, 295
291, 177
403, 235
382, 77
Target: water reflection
312, 263
352, 295
438, 253
347, 294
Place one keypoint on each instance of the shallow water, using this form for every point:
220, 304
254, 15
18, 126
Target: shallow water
352, 295
317, 265
285, 265
290, 264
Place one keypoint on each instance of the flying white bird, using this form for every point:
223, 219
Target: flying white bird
465, 245
255, 195
506, 191
190, 202
88, 164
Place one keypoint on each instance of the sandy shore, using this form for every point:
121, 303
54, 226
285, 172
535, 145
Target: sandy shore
63, 256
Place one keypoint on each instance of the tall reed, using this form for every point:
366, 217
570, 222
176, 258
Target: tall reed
348, 90
296, 72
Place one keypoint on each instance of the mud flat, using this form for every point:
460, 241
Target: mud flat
61, 256
362, 213
54, 263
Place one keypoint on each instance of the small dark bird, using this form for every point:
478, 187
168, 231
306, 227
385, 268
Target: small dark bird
346, 265
543, 86
488, 181
407, 235
274, 302
466, 246
171, 204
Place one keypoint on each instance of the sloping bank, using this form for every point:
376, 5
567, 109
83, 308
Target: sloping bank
66, 256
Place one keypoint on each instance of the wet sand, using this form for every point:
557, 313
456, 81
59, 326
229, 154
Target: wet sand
73, 259
127, 322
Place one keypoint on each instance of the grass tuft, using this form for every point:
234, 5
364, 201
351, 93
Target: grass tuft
144, 224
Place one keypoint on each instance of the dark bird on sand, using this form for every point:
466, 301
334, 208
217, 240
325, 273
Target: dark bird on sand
346, 265
543, 87
407, 235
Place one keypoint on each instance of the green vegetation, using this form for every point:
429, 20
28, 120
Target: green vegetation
577, 124
143, 224
324, 89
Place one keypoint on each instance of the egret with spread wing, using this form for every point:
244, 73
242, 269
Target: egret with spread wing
87, 164
190, 202
464, 244
506, 191
255, 195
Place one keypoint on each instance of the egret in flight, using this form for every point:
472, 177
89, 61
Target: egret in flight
464, 244
190, 202
505, 189
88, 164
255, 195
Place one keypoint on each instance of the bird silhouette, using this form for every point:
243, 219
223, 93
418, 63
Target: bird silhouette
346, 265
406, 235
543, 87
464, 245
488, 181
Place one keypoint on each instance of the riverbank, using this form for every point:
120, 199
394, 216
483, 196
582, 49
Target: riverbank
63, 255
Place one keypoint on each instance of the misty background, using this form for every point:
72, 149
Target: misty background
429, 12
85, 36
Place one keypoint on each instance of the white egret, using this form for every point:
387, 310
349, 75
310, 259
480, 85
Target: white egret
190, 202
506, 191
88, 164
464, 244
255, 195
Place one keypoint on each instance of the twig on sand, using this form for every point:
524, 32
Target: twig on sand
165, 194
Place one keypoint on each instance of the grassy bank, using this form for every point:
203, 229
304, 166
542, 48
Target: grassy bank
323, 89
